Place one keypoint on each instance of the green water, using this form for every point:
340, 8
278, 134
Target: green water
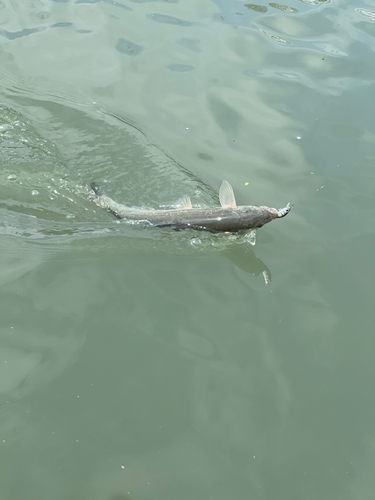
138, 363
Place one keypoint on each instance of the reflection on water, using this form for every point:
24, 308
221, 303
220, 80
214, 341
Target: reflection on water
276, 38
284, 8
257, 8
367, 13
244, 257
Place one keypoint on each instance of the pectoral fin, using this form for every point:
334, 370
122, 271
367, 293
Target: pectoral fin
251, 236
226, 196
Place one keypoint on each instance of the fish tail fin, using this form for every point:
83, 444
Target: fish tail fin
96, 189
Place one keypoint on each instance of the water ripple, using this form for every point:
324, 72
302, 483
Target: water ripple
161, 18
276, 38
368, 14
258, 8
19, 34
315, 2
284, 8
179, 68
127, 47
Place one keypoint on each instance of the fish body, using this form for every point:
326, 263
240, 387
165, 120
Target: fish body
227, 218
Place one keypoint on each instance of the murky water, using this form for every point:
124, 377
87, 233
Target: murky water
144, 363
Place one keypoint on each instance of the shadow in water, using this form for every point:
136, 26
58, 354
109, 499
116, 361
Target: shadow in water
243, 256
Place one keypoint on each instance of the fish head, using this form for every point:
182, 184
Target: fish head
254, 217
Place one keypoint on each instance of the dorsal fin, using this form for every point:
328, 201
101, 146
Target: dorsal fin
185, 203
226, 196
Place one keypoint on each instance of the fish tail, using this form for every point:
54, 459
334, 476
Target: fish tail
96, 189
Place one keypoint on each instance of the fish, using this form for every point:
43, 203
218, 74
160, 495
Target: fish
228, 218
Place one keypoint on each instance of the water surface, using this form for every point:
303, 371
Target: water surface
138, 363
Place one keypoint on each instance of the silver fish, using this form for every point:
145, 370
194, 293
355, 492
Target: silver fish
229, 218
